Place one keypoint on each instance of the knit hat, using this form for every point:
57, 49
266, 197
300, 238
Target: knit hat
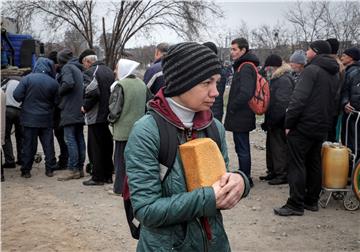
85, 53
186, 65
212, 46
334, 44
273, 60
298, 57
53, 56
64, 56
353, 52
321, 47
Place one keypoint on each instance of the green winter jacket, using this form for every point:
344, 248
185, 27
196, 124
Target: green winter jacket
169, 215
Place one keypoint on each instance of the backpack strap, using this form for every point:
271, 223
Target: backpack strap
213, 133
168, 144
249, 63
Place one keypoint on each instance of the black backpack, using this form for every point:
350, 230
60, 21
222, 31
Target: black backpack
169, 143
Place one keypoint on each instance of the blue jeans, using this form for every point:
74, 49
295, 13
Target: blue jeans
74, 138
30, 146
242, 148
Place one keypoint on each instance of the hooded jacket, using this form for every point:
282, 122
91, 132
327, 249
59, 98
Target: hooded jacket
351, 87
71, 93
38, 93
239, 116
169, 215
281, 88
312, 104
154, 78
96, 103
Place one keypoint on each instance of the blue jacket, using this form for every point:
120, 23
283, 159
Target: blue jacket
71, 93
154, 78
38, 92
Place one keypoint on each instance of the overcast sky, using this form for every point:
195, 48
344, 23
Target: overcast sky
254, 13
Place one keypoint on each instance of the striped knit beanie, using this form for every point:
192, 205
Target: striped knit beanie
186, 65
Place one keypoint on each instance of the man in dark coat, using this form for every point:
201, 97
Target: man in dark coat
218, 107
72, 119
37, 92
240, 119
97, 80
350, 97
281, 88
307, 122
153, 76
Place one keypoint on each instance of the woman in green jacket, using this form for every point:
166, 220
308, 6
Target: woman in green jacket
171, 218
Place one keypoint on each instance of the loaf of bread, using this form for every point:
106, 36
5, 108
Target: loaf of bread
203, 163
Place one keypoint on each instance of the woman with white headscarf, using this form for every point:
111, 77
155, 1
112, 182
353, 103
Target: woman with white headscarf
127, 104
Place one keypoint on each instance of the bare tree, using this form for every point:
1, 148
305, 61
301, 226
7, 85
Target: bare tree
125, 19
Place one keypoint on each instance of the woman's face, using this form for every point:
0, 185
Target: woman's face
202, 96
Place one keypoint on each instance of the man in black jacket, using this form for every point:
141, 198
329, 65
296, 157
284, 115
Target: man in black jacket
281, 88
350, 96
240, 119
307, 122
97, 80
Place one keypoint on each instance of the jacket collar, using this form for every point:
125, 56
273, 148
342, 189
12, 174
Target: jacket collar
159, 105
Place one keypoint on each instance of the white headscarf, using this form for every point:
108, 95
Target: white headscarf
124, 68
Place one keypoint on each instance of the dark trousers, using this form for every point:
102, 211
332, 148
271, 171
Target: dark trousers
305, 172
119, 163
30, 146
242, 148
64, 155
13, 118
332, 133
100, 151
277, 152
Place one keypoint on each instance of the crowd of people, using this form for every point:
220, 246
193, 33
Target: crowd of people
310, 96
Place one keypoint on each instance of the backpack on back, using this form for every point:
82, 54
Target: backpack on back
259, 102
169, 143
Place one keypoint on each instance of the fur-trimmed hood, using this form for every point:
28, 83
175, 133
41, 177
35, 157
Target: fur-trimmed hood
285, 68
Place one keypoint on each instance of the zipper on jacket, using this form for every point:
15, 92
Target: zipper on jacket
188, 133
205, 240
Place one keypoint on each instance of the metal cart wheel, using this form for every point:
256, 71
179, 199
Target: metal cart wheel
338, 195
355, 180
351, 202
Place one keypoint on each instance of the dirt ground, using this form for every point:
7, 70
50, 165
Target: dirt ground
43, 214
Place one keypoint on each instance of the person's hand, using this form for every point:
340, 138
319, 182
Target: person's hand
287, 131
348, 108
83, 110
228, 190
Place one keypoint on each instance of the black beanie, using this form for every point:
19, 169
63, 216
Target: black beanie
186, 65
85, 53
334, 44
212, 46
321, 47
353, 52
273, 60
64, 56
53, 56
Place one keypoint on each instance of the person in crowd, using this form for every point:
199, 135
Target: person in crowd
333, 135
71, 118
218, 107
13, 109
97, 80
2, 127
38, 93
240, 119
127, 104
62, 162
297, 63
165, 208
307, 122
350, 98
281, 88
153, 76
